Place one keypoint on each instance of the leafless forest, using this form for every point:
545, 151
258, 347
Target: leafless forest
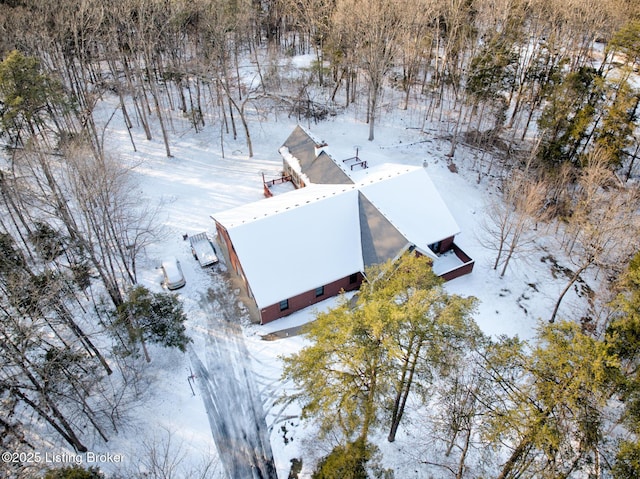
545, 90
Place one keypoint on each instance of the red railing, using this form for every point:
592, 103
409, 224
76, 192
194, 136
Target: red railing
277, 181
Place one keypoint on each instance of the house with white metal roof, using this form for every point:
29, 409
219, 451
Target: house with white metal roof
298, 248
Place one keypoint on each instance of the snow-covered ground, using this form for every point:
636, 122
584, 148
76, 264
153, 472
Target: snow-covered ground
198, 182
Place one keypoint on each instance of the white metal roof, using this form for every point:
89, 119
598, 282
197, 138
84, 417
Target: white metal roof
408, 198
295, 242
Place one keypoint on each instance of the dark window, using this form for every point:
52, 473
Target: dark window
353, 278
319, 291
284, 304
435, 247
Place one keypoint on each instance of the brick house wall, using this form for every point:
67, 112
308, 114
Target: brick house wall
301, 301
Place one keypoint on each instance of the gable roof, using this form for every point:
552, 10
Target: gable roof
409, 200
280, 240
304, 146
305, 154
343, 221
381, 241
324, 170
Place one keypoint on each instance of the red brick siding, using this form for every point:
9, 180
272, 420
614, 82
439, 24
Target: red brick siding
228, 248
466, 268
232, 257
308, 298
456, 273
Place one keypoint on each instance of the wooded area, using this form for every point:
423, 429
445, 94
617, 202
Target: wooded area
497, 406
546, 91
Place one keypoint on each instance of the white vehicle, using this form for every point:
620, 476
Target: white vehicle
173, 276
203, 250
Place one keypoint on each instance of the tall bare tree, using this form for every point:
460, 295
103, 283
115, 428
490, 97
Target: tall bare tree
374, 27
513, 218
603, 227
112, 225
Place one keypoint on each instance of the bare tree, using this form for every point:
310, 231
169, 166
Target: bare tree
602, 230
374, 27
463, 396
112, 225
163, 457
39, 358
512, 219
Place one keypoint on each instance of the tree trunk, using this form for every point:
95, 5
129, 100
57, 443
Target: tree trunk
123, 107
84, 339
63, 428
499, 255
245, 125
369, 406
517, 453
163, 128
454, 138
573, 279
404, 388
512, 248
463, 456
58, 421
142, 115
632, 161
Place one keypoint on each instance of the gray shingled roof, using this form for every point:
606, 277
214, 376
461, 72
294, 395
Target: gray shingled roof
303, 146
381, 241
324, 171
320, 169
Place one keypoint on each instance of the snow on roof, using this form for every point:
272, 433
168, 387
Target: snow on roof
294, 163
277, 204
302, 147
319, 143
281, 240
295, 242
408, 198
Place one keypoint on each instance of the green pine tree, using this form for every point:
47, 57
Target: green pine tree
623, 339
74, 472
155, 317
364, 356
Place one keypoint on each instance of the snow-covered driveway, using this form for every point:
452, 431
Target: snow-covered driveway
227, 386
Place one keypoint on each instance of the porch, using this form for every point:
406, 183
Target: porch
277, 186
453, 263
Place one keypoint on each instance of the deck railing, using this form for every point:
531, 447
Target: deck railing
277, 181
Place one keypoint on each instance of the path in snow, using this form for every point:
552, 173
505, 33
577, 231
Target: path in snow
229, 392
284, 333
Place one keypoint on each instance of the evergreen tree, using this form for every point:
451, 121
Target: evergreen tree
492, 75
27, 97
550, 401
74, 472
402, 327
623, 338
345, 462
565, 121
614, 132
155, 317
627, 42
